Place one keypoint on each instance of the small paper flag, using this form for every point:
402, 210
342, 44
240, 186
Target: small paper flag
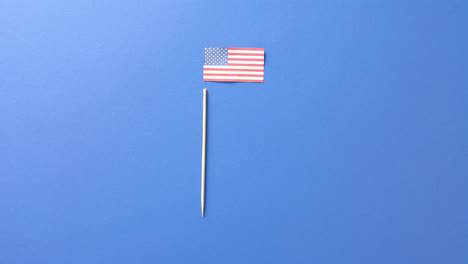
233, 65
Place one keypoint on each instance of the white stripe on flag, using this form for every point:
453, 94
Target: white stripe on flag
247, 51
244, 62
244, 57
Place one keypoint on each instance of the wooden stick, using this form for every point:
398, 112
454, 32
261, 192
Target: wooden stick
203, 155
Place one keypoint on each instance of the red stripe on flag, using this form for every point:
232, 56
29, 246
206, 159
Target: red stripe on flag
230, 80
233, 75
246, 49
220, 69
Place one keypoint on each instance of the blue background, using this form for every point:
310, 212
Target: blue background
354, 150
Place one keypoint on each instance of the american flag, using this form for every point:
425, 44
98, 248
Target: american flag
233, 65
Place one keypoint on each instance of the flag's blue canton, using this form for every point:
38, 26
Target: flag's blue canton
216, 56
